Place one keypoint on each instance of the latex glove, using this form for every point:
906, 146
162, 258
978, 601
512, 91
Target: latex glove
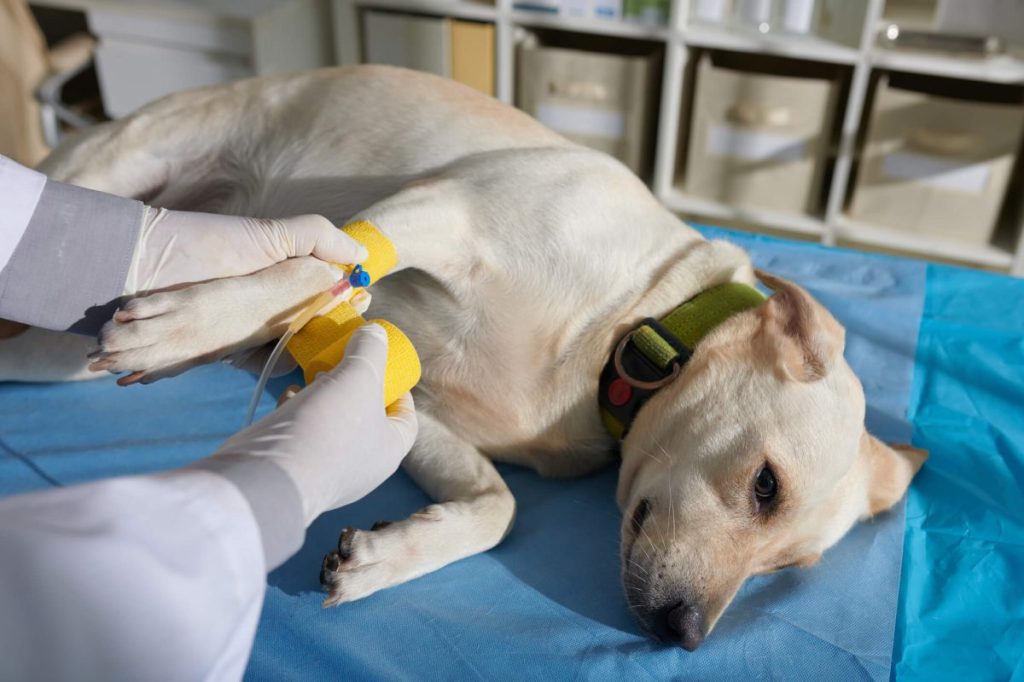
334, 439
180, 247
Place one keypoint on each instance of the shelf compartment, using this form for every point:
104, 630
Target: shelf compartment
750, 130
598, 91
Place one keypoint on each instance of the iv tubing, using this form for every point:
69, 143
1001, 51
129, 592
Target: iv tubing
307, 314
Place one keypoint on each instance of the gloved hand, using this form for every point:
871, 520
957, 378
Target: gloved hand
334, 439
179, 247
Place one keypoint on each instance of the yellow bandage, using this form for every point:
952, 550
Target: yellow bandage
383, 257
320, 345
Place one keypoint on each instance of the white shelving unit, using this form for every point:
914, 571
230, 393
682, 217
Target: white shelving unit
679, 36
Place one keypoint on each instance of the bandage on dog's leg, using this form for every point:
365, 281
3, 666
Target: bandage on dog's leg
383, 256
320, 345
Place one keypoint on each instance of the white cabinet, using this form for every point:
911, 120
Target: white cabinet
151, 48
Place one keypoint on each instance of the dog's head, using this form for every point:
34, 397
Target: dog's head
755, 458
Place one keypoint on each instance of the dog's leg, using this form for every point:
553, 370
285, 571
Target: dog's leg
164, 334
474, 512
175, 140
432, 225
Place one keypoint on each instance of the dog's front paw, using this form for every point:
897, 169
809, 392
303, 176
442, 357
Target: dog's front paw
164, 334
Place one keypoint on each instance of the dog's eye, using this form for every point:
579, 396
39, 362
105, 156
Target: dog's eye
639, 515
765, 487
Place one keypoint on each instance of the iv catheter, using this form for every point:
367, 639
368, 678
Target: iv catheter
303, 318
317, 341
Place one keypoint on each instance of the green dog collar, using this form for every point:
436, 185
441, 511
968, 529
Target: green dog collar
653, 354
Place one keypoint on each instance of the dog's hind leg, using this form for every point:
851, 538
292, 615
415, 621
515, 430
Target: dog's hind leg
171, 142
474, 512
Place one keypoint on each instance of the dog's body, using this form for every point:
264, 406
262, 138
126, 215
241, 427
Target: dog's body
524, 258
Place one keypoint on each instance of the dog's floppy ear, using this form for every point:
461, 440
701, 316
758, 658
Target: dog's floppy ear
890, 470
799, 334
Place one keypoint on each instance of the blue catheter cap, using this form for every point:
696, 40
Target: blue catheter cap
359, 277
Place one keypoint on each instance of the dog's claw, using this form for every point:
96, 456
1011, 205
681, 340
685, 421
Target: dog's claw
101, 364
330, 569
362, 564
378, 525
331, 563
132, 378
345, 543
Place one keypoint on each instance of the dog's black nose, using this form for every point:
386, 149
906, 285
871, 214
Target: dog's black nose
687, 622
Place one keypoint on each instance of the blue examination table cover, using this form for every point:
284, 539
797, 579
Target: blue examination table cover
933, 589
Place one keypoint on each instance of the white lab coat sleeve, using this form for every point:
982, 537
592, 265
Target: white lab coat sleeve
20, 189
156, 577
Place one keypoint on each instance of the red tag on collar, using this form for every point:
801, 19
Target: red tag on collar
619, 392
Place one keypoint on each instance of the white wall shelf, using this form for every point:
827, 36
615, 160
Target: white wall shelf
680, 37
461, 9
797, 46
700, 207
997, 69
608, 27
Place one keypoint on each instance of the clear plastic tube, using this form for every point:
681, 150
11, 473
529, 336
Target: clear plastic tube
268, 368
303, 318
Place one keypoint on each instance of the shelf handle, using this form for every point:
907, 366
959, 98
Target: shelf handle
943, 142
751, 114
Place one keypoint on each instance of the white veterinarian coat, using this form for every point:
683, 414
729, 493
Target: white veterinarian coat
155, 577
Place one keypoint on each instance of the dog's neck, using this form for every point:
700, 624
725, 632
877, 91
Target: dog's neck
690, 264
653, 354
696, 289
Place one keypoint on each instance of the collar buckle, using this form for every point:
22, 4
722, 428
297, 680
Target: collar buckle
653, 354
677, 367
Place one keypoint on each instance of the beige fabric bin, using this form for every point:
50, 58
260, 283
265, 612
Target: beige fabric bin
760, 131
603, 101
936, 165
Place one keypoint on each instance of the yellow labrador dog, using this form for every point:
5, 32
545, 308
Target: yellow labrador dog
543, 285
